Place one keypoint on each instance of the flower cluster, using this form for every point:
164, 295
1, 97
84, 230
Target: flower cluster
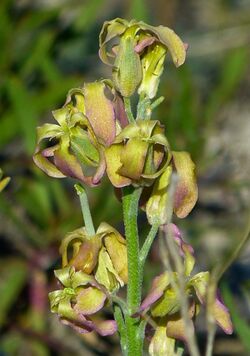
93, 267
98, 133
163, 301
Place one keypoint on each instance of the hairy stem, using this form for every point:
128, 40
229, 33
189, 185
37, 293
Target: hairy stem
130, 202
128, 110
85, 210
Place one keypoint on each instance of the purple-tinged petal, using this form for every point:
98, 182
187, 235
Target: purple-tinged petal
176, 325
222, 316
40, 159
186, 192
168, 38
100, 112
159, 285
105, 327
185, 249
120, 112
145, 42
80, 325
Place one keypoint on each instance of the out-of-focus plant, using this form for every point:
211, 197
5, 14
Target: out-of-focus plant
98, 133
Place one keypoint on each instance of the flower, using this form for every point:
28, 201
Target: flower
185, 192
86, 124
80, 298
139, 55
104, 255
139, 154
164, 305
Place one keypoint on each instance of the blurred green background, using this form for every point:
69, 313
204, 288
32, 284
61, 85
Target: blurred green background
49, 46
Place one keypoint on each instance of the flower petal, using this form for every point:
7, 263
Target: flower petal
110, 29
133, 158
89, 301
170, 39
113, 161
160, 283
105, 327
186, 250
186, 192
161, 344
100, 112
156, 207
105, 273
222, 316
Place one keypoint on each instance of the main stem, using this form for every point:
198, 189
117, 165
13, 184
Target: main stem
130, 211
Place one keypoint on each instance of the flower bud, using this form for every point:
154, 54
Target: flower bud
152, 67
127, 72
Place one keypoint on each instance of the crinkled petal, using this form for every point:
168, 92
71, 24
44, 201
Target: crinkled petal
105, 273
113, 162
186, 192
110, 30
64, 275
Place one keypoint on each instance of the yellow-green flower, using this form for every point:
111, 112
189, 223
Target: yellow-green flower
164, 305
185, 192
104, 255
74, 146
139, 154
138, 58
77, 302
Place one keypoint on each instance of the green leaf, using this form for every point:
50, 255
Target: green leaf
241, 326
13, 277
25, 114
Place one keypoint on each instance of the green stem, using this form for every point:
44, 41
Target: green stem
128, 110
157, 102
85, 210
121, 327
130, 201
147, 245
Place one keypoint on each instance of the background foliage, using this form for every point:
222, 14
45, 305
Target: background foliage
48, 47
